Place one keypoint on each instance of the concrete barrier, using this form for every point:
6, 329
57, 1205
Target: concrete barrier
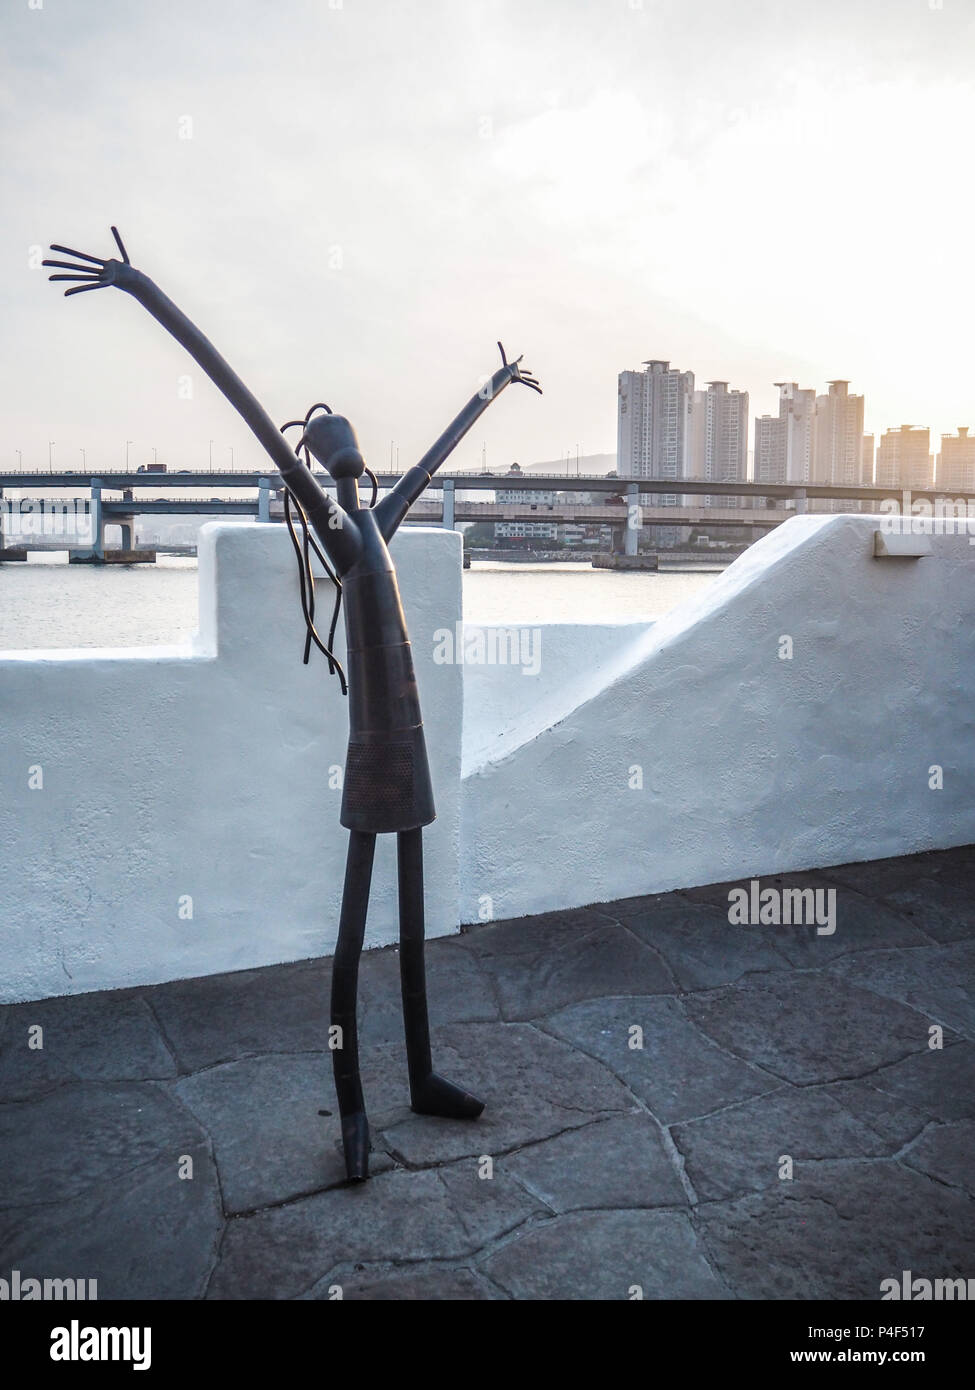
174, 812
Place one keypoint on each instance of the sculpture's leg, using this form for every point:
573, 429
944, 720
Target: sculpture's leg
430, 1094
345, 981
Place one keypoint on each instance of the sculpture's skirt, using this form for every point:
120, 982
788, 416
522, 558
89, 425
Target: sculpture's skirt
387, 777
387, 782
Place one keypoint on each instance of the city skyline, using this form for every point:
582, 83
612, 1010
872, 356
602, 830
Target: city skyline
819, 461
959, 458
669, 429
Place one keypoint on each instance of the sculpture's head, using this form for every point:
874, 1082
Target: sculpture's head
331, 440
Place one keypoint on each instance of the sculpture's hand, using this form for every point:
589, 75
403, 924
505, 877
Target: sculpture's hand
519, 374
342, 543
98, 273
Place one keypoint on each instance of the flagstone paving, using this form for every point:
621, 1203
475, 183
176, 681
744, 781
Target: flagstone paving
676, 1107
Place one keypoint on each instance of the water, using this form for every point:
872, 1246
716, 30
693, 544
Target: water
560, 593
48, 603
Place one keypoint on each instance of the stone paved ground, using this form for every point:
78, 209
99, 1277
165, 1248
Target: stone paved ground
613, 1165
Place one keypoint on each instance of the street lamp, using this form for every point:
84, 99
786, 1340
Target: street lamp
20, 457
231, 448
50, 455
84, 460
128, 443
211, 455
154, 455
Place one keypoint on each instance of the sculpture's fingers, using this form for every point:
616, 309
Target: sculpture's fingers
88, 279
81, 255
69, 265
80, 289
119, 244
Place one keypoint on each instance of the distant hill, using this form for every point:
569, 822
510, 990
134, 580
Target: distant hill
599, 464
588, 463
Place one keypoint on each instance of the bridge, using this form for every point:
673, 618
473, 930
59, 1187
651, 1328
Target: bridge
761, 505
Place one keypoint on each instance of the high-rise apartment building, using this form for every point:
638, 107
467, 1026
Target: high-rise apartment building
956, 463
654, 425
797, 406
813, 439
838, 444
768, 456
785, 444
904, 459
718, 448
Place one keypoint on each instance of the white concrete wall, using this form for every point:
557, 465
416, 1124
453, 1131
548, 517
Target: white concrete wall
750, 764
505, 704
204, 771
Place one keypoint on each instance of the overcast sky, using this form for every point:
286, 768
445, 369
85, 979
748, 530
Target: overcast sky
373, 192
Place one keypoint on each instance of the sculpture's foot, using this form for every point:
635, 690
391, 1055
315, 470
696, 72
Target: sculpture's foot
435, 1096
355, 1141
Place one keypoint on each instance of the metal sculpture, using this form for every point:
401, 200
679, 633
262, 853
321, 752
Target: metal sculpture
387, 787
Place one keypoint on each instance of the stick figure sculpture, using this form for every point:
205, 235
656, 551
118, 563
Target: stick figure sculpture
387, 786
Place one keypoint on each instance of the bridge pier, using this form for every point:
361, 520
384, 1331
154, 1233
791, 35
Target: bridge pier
97, 520
96, 553
448, 505
8, 552
264, 499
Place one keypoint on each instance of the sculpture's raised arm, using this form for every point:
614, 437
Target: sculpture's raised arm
341, 542
394, 506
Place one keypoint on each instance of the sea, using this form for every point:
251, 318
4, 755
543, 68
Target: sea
47, 603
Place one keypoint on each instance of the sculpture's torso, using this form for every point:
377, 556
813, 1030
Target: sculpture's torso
387, 777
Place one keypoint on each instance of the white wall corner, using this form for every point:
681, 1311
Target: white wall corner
203, 774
